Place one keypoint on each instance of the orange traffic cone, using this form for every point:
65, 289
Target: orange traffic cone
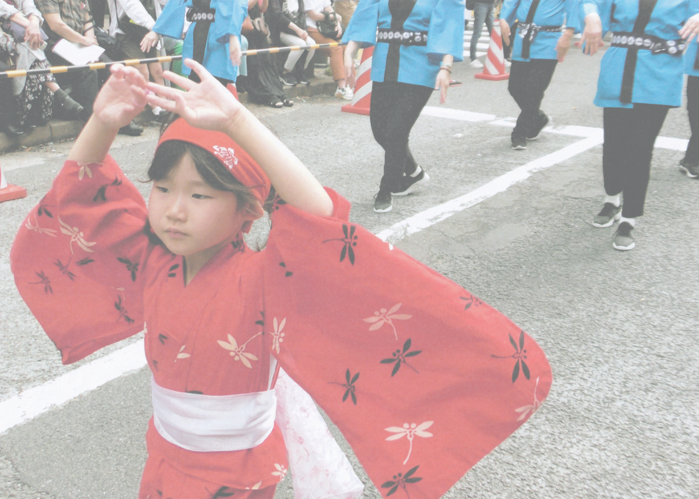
9, 191
494, 68
361, 101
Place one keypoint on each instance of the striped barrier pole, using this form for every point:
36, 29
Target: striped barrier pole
137, 62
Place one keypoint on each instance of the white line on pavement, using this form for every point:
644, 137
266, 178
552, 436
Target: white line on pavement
436, 214
35, 401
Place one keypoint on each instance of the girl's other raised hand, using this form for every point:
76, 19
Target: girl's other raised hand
208, 105
122, 97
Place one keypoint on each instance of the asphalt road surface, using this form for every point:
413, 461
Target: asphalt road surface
621, 329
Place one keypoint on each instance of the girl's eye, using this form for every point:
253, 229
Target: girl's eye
160, 188
200, 196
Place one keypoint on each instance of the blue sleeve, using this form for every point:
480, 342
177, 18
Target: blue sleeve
171, 20
573, 15
446, 33
229, 18
509, 11
603, 8
362, 26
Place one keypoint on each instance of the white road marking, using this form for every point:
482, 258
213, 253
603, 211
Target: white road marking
35, 401
436, 214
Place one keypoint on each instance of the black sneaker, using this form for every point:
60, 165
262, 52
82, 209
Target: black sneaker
288, 80
542, 121
383, 202
607, 216
411, 182
131, 129
304, 81
691, 169
519, 143
623, 240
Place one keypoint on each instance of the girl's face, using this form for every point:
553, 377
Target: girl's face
192, 218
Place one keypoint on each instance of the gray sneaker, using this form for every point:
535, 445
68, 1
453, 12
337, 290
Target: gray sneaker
607, 216
691, 169
623, 240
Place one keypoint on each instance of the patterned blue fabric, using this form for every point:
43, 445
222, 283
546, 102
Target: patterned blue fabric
659, 77
230, 15
443, 20
549, 13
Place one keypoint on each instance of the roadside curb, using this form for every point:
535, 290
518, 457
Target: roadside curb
58, 130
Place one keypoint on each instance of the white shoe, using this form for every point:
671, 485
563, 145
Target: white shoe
344, 93
476, 64
157, 111
507, 63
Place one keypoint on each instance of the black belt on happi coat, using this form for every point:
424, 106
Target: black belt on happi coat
645, 9
400, 11
642, 41
528, 31
202, 15
402, 37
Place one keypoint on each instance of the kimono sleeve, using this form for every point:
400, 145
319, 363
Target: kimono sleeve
362, 26
572, 9
229, 18
78, 257
171, 20
422, 378
446, 32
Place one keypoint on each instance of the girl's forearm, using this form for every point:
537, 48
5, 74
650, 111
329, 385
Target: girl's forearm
294, 183
93, 143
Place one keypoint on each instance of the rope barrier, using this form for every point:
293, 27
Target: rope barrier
18, 73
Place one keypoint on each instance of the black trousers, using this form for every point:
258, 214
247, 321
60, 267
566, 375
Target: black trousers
629, 137
692, 154
395, 107
83, 85
527, 84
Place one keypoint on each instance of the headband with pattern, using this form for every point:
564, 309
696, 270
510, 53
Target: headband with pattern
230, 154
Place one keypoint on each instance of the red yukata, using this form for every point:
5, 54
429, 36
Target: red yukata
421, 377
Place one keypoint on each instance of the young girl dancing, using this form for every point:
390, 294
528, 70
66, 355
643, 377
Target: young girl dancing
422, 377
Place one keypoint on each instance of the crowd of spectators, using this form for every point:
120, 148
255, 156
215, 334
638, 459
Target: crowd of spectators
29, 30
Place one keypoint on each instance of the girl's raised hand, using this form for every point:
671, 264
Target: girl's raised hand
121, 99
208, 105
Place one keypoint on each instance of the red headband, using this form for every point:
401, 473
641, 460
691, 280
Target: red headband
230, 154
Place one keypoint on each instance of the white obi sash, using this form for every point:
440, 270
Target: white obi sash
206, 423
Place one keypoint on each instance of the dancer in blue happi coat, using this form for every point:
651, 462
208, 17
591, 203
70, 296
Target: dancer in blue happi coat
213, 39
641, 77
544, 32
416, 42
690, 163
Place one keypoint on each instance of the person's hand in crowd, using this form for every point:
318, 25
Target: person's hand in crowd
234, 50
121, 98
591, 39
206, 105
149, 41
350, 54
32, 33
302, 34
690, 29
563, 44
505, 31
339, 29
442, 84
89, 39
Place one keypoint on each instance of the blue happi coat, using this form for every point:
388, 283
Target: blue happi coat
442, 20
230, 15
548, 13
658, 78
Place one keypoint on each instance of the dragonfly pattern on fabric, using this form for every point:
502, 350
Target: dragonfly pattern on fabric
471, 301
349, 242
84, 169
130, 266
350, 388
410, 431
44, 279
400, 357
519, 356
76, 236
238, 352
401, 481
102, 191
383, 316
277, 334
529, 410
119, 305
40, 230
64, 269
